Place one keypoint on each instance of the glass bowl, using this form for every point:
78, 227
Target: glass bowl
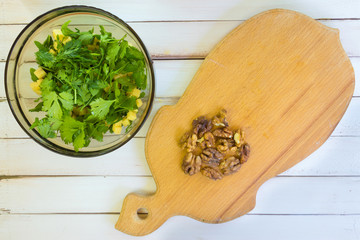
22, 57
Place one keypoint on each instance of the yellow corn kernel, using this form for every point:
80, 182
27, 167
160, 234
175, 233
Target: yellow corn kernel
40, 73
52, 51
139, 103
125, 122
56, 33
66, 39
135, 92
55, 46
131, 115
35, 86
117, 127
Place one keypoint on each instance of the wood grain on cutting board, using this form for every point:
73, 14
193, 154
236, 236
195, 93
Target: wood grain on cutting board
285, 79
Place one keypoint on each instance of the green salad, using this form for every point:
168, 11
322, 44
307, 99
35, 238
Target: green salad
88, 84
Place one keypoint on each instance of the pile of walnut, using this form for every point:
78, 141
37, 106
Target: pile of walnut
213, 149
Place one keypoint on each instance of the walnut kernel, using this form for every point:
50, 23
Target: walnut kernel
191, 164
211, 173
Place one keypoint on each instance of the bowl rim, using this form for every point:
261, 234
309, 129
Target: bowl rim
59, 149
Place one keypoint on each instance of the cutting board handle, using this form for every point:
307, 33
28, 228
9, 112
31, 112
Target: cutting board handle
141, 215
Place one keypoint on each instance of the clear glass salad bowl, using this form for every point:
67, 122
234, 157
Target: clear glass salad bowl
22, 57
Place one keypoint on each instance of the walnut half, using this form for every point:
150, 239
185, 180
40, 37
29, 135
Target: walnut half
211, 156
223, 133
191, 164
245, 153
230, 165
211, 173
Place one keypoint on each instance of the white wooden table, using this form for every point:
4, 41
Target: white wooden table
47, 196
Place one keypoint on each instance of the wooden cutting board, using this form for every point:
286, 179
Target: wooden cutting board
285, 79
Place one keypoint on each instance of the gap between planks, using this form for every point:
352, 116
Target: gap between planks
200, 20
9, 177
116, 213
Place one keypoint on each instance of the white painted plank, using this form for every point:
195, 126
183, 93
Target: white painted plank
337, 157
192, 39
71, 194
183, 10
348, 126
251, 227
280, 195
15, 160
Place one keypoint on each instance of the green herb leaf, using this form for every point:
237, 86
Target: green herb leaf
67, 31
134, 53
38, 107
45, 58
47, 127
79, 140
112, 53
72, 131
140, 80
66, 100
123, 46
100, 107
52, 106
86, 38
33, 76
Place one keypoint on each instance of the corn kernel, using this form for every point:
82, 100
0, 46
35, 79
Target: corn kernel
58, 32
52, 51
66, 39
139, 103
117, 130
117, 127
35, 86
135, 92
125, 122
131, 115
40, 73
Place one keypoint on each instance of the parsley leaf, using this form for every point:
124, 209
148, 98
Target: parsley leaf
67, 31
44, 58
72, 131
46, 126
38, 107
100, 107
134, 53
66, 100
112, 53
52, 105
33, 76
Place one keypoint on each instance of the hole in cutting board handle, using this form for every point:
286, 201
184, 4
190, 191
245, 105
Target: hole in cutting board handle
142, 213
